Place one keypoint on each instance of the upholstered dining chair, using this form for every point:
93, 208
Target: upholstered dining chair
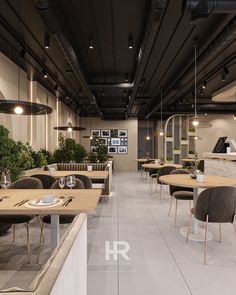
78, 185
166, 170
47, 180
180, 193
22, 183
215, 205
85, 179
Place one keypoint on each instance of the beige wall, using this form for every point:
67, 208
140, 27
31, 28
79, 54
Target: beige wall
222, 125
37, 130
122, 162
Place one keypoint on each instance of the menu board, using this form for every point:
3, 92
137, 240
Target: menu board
219, 147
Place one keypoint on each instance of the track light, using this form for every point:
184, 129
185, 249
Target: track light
45, 75
124, 92
204, 84
46, 42
56, 87
224, 74
201, 92
80, 92
180, 100
131, 43
126, 77
91, 44
103, 92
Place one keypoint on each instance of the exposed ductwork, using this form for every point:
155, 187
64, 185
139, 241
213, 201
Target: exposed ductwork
157, 12
225, 37
50, 19
204, 8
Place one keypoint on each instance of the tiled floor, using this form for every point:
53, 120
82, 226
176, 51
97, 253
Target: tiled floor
160, 260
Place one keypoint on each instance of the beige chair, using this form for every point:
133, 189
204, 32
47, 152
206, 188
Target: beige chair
215, 205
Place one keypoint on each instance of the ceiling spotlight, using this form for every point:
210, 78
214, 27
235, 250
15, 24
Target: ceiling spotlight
56, 87
124, 92
46, 42
234, 117
224, 74
103, 92
195, 121
201, 92
80, 92
45, 75
91, 44
126, 77
204, 84
180, 100
131, 43
18, 110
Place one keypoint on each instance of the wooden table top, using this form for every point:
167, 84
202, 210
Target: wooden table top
185, 180
158, 166
85, 200
190, 160
143, 160
58, 174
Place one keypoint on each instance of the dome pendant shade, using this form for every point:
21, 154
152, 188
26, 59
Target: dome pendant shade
17, 107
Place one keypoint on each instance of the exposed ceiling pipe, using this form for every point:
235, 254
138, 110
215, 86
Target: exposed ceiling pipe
50, 19
225, 37
204, 8
157, 12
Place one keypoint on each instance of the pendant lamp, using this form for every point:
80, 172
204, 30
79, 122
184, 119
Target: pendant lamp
69, 128
161, 132
195, 119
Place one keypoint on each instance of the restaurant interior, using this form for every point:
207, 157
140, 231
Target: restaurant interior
117, 147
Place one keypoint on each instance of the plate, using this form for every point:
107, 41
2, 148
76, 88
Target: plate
39, 203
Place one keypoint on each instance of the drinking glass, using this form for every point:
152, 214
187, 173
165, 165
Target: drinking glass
5, 182
62, 182
70, 181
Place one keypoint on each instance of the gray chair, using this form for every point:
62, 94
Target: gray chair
180, 193
166, 170
78, 185
85, 179
47, 180
215, 205
23, 183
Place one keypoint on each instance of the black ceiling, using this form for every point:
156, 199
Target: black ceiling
111, 80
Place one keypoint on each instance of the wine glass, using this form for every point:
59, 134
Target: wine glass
62, 182
70, 181
5, 182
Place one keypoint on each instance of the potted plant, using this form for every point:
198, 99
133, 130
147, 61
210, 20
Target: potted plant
169, 158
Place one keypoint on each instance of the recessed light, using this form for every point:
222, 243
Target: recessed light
91, 44
46, 42
131, 43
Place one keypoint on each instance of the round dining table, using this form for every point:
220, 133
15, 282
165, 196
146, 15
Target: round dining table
185, 180
158, 166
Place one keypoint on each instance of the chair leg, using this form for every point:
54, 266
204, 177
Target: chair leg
189, 226
220, 233
40, 241
161, 188
156, 191
171, 200
14, 233
234, 226
205, 243
176, 206
28, 242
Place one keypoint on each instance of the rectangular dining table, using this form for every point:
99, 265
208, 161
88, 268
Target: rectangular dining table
58, 174
83, 201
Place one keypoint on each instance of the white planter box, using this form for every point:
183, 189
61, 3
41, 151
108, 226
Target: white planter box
169, 139
184, 142
192, 134
177, 152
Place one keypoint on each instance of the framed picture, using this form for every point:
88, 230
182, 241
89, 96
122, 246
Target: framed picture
105, 133
122, 133
112, 150
95, 133
93, 148
122, 150
94, 142
115, 141
114, 132
103, 141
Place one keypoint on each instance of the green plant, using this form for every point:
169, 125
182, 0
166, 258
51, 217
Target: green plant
177, 148
191, 129
27, 161
68, 151
191, 152
39, 159
10, 155
48, 156
92, 157
168, 135
169, 158
102, 153
183, 138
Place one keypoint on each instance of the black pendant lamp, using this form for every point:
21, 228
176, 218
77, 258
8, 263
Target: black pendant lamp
69, 128
18, 107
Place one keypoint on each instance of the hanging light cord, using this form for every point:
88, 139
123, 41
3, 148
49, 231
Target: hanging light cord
195, 74
161, 111
18, 25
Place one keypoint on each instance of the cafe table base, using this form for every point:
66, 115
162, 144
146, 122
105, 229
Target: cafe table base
55, 231
197, 237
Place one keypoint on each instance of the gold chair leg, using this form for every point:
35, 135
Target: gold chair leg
161, 190
176, 206
220, 233
171, 200
156, 191
14, 233
234, 226
205, 243
40, 241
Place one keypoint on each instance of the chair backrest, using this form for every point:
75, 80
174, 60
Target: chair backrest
27, 183
201, 165
54, 166
85, 179
174, 188
218, 202
47, 180
164, 171
78, 185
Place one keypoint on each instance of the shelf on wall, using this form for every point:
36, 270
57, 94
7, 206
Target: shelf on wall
192, 134
169, 139
184, 142
176, 152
